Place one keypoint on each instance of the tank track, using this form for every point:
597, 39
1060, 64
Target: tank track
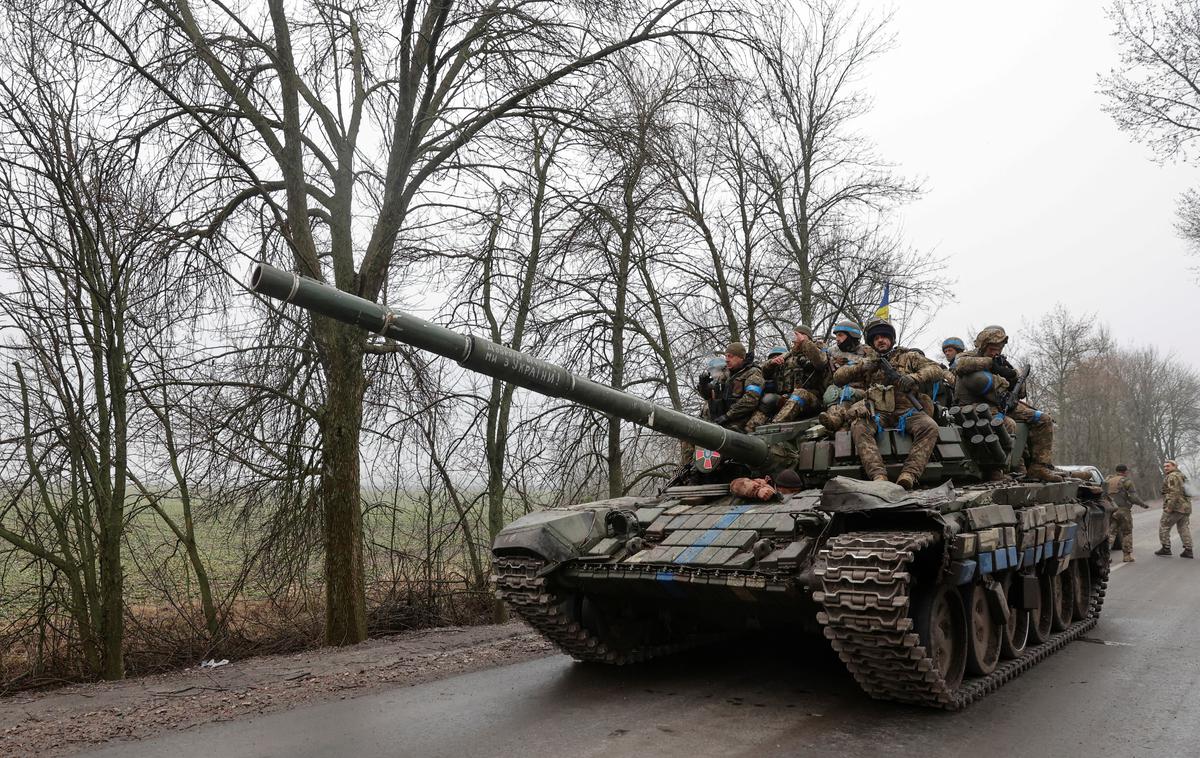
866, 618
519, 583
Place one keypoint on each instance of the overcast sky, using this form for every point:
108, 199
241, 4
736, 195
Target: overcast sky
1034, 196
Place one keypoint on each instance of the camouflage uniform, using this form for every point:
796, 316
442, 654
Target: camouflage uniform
1123, 493
1177, 511
1002, 373
741, 394
840, 401
803, 377
772, 372
903, 413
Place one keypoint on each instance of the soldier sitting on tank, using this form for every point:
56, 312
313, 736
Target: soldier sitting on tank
983, 376
741, 391
847, 347
891, 403
803, 374
771, 369
952, 347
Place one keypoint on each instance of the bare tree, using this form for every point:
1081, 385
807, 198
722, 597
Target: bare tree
1154, 94
299, 101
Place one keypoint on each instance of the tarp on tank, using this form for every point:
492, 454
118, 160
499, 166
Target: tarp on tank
844, 495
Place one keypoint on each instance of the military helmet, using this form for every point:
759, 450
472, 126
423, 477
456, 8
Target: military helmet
849, 327
736, 348
804, 329
776, 351
991, 335
880, 326
954, 342
1122, 468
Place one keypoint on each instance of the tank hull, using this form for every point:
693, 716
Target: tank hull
875, 579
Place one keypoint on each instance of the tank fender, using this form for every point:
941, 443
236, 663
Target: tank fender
554, 535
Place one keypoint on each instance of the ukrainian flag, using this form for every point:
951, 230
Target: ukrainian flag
883, 311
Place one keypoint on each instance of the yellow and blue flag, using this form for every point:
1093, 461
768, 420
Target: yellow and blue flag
883, 311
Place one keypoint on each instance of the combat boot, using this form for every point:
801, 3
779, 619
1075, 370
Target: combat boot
1187, 553
1164, 550
1043, 473
906, 480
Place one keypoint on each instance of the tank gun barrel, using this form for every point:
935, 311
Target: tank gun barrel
488, 358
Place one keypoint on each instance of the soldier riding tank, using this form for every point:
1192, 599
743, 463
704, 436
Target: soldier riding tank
936, 596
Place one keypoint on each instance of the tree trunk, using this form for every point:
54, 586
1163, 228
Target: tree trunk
341, 423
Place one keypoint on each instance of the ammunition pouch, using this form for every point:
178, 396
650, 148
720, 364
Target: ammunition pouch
882, 397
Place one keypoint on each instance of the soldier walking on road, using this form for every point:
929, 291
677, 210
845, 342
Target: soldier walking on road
1123, 493
1177, 510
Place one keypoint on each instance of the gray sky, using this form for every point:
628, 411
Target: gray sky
995, 108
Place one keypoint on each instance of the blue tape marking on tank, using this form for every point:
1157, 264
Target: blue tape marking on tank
665, 576
1013, 560
1030, 557
754, 388
967, 572
710, 536
985, 563
1001, 559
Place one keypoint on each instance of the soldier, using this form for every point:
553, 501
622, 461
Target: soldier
1123, 493
891, 403
1177, 510
742, 389
847, 337
951, 347
772, 370
802, 375
988, 361
847, 347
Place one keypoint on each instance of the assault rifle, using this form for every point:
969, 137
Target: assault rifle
1013, 396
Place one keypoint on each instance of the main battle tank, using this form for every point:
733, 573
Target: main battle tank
936, 596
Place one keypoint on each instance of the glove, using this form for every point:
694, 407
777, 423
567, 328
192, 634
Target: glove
906, 383
720, 420
1146, 507
1001, 366
705, 379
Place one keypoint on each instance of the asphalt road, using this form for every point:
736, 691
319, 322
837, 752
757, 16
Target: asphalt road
1131, 689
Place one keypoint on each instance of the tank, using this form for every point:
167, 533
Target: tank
935, 596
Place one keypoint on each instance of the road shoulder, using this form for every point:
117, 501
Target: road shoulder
76, 717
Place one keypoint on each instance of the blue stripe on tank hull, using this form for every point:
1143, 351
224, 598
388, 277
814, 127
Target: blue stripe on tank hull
711, 535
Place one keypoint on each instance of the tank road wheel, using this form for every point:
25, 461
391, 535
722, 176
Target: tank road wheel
942, 628
1064, 600
1016, 631
984, 633
1081, 577
1042, 617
